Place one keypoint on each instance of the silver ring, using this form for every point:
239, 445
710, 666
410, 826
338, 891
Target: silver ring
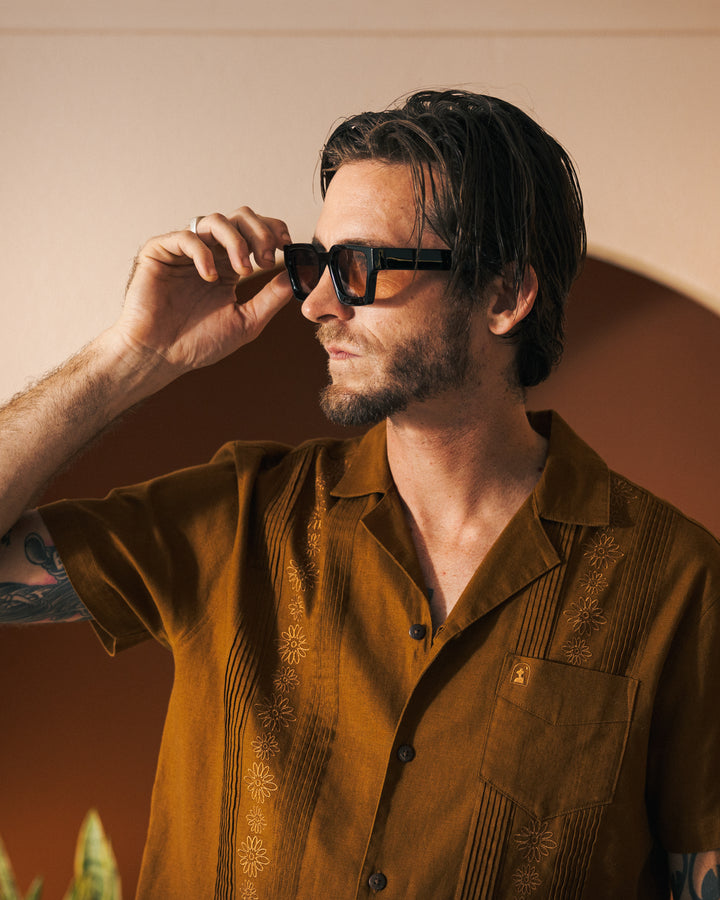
194, 222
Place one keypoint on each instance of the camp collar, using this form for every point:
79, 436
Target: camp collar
574, 486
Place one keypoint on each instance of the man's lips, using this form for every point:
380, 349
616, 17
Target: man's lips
337, 351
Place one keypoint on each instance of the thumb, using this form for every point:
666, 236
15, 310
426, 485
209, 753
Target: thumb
260, 306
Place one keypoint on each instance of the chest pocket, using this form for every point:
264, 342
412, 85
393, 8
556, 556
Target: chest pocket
557, 735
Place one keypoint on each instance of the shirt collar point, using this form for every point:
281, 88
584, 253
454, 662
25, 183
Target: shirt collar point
575, 484
367, 471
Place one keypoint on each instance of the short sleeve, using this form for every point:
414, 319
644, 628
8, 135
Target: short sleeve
146, 560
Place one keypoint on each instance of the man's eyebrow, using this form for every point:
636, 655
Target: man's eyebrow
360, 242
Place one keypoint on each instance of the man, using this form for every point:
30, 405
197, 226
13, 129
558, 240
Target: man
456, 658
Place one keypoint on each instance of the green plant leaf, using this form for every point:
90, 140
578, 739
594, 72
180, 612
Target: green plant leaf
8, 886
35, 891
96, 875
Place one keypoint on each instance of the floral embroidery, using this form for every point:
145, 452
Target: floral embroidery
247, 891
576, 651
275, 713
285, 680
260, 782
602, 549
623, 489
295, 607
314, 543
256, 820
301, 577
585, 616
253, 856
315, 523
535, 841
266, 745
293, 646
620, 494
526, 881
593, 583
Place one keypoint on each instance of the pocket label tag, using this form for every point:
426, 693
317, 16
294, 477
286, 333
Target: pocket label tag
520, 674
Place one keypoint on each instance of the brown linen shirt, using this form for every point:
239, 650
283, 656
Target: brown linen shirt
551, 740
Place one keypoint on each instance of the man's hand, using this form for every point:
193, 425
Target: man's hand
180, 304
180, 313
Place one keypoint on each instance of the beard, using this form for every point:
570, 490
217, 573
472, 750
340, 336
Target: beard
418, 368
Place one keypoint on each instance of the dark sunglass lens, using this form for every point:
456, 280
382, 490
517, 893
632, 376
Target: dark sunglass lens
306, 269
352, 269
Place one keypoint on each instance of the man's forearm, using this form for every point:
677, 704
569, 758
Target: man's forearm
43, 428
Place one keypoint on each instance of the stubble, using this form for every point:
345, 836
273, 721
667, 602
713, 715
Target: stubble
417, 369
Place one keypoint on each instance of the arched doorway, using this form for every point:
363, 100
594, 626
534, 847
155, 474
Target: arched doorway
639, 382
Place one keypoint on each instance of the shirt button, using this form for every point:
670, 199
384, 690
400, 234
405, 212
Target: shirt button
406, 753
377, 882
418, 632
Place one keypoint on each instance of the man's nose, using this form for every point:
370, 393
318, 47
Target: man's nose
322, 302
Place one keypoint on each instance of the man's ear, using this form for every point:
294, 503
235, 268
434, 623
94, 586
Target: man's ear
510, 306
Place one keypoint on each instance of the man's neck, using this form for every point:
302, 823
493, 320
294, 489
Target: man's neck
461, 479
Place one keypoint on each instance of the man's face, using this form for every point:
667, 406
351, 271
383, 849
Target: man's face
412, 344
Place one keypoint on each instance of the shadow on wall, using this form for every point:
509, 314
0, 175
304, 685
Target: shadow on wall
639, 382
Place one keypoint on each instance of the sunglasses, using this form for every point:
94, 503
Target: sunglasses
354, 267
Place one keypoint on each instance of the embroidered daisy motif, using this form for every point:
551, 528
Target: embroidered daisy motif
295, 607
285, 680
275, 713
593, 583
253, 856
313, 543
293, 645
315, 523
260, 782
601, 550
585, 616
301, 577
623, 489
535, 841
248, 891
576, 651
266, 745
256, 820
526, 880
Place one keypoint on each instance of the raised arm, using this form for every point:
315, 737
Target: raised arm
180, 313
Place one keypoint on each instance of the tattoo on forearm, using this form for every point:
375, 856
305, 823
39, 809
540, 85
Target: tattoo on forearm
700, 871
56, 602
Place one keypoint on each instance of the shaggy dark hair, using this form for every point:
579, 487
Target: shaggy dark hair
499, 190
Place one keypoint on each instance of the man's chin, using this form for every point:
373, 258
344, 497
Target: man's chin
344, 407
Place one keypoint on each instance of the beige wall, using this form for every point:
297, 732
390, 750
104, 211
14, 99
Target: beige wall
124, 119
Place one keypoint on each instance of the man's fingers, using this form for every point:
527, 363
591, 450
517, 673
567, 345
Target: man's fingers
182, 248
217, 230
219, 245
264, 234
242, 234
